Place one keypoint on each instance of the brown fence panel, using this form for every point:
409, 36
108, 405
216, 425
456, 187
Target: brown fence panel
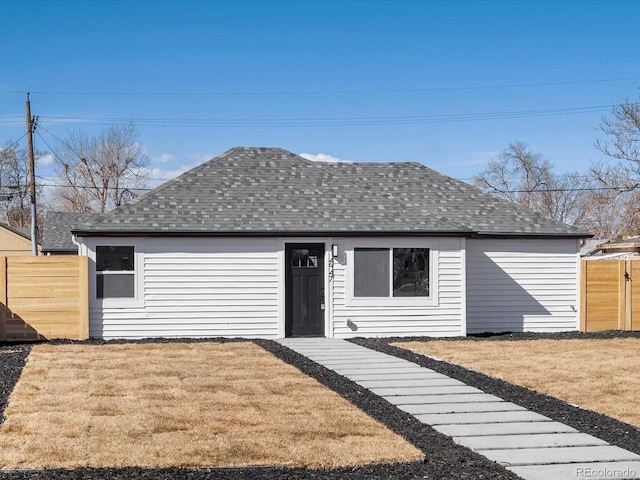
44, 297
609, 299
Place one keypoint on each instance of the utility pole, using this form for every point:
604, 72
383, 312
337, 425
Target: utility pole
31, 124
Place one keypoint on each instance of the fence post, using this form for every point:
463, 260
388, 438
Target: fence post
583, 295
622, 294
83, 289
627, 295
4, 308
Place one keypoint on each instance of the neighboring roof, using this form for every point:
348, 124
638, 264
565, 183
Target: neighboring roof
270, 191
626, 245
56, 234
17, 231
590, 247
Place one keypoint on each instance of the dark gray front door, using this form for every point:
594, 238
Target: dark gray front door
304, 287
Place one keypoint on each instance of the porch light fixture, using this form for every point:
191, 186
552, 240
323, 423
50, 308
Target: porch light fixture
334, 250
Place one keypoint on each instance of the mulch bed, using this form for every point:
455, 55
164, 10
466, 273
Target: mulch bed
444, 459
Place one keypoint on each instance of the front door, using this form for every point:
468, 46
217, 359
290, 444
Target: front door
304, 287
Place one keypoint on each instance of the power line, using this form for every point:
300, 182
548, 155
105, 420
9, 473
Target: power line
6, 149
326, 121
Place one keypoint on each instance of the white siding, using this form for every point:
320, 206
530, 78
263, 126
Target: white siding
443, 318
195, 288
522, 285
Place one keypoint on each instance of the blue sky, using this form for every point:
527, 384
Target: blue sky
448, 84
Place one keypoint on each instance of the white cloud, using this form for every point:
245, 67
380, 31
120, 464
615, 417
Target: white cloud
323, 157
198, 158
164, 158
158, 176
473, 159
46, 160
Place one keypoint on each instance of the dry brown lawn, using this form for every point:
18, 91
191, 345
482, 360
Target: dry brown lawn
600, 374
182, 404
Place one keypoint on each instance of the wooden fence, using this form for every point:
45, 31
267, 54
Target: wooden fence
610, 293
44, 298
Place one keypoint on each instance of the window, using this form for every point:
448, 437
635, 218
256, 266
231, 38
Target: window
386, 272
410, 272
304, 258
115, 276
371, 272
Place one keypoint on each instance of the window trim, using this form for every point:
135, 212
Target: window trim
117, 302
391, 301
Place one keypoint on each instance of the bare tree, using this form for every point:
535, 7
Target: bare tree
620, 180
516, 175
100, 172
625, 130
527, 178
14, 187
609, 214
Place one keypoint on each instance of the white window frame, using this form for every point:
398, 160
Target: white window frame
390, 301
117, 302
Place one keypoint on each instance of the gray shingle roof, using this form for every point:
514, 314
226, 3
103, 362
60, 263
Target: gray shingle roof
56, 234
272, 191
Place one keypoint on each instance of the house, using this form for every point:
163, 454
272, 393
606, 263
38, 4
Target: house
14, 241
259, 242
56, 233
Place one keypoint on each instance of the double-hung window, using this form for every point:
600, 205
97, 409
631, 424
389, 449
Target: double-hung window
391, 272
115, 272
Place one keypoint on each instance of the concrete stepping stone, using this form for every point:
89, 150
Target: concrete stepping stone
481, 417
434, 390
533, 440
353, 370
396, 376
511, 428
575, 471
545, 456
451, 398
371, 363
410, 383
370, 366
469, 407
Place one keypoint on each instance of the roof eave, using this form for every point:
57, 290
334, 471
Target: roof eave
544, 235
273, 233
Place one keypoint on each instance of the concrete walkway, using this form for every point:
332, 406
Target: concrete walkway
527, 443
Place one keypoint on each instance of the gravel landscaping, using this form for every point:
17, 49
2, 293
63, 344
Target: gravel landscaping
602, 426
12, 359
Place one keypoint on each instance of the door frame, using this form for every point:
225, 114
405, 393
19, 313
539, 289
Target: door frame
328, 298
